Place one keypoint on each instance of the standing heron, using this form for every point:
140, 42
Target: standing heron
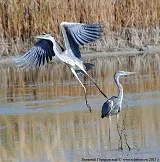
114, 104
74, 35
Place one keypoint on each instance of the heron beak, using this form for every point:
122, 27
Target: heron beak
129, 73
39, 37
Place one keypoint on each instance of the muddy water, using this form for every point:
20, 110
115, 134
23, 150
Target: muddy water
43, 116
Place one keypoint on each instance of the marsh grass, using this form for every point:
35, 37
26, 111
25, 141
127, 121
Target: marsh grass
128, 23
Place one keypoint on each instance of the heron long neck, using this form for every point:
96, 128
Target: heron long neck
120, 89
56, 48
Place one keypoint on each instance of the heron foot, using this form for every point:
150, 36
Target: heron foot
128, 147
89, 107
120, 148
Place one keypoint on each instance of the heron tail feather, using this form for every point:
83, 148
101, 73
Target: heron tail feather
88, 66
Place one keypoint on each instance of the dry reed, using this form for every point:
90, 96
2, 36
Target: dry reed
128, 23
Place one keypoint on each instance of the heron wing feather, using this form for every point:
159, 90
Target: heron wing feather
91, 31
76, 34
108, 106
71, 42
40, 53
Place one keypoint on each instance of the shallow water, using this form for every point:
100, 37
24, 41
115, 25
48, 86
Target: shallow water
43, 116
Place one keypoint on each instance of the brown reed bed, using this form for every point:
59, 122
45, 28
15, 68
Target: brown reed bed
128, 23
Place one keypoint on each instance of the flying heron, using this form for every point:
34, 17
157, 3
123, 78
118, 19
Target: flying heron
114, 104
74, 35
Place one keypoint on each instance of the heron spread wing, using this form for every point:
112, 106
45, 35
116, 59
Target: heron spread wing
40, 53
76, 34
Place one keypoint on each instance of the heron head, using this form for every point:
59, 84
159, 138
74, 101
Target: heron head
44, 36
122, 73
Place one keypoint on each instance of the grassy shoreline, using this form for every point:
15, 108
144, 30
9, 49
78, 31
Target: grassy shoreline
8, 61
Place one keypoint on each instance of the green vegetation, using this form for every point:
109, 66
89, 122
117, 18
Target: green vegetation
128, 23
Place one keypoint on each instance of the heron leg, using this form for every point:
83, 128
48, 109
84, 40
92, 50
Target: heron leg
85, 92
109, 118
95, 84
